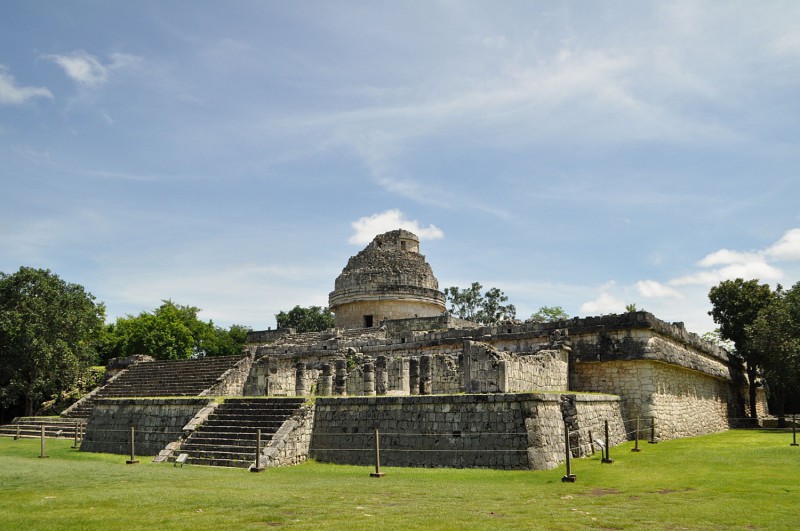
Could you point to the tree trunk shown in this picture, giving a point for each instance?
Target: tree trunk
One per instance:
(28, 407)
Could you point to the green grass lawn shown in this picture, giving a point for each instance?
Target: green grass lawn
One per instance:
(737, 479)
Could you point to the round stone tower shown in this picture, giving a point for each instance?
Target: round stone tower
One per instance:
(389, 279)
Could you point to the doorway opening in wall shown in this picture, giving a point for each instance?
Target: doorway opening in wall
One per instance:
(367, 321)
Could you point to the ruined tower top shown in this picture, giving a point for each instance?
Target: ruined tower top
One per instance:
(389, 279)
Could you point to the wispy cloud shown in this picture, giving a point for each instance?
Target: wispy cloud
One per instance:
(13, 94)
(368, 227)
(87, 70)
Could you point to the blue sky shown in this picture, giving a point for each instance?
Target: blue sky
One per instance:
(232, 156)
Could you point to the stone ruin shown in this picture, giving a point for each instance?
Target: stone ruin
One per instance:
(446, 392)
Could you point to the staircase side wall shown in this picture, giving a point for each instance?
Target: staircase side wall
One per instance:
(157, 422)
(290, 444)
(232, 382)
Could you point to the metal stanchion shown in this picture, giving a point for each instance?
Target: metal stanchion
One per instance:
(607, 459)
(43, 454)
(794, 430)
(132, 460)
(636, 438)
(652, 431)
(569, 477)
(257, 466)
(591, 442)
(377, 473)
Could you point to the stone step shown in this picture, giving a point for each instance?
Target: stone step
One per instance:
(251, 417)
(213, 422)
(233, 432)
(208, 448)
(229, 433)
(228, 463)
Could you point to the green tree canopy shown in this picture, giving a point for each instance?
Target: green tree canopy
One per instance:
(311, 319)
(548, 314)
(735, 306)
(774, 335)
(170, 332)
(47, 331)
(487, 308)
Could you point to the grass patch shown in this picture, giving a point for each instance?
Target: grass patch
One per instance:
(737, 479)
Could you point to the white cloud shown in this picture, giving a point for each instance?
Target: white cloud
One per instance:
(368, 227)
(11, 94)
(603, 304)
(787, 248)
(83, 68)
(88, 70)
(745, 264)
(653, 289)
(726, 257)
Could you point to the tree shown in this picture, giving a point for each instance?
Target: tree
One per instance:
(548, 314)
(774, 335)
(170, 332)
(47, 331)
(311, 319)
(736, 304)
(630, 307)
(469, 304)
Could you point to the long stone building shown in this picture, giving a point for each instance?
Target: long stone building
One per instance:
(442, 391)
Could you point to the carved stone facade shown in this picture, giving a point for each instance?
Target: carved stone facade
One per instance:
(389, 279)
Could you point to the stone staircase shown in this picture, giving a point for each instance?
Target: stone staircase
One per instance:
(54, 427)
(228, 437)
(157, 379)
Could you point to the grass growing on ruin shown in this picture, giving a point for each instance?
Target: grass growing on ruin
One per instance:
(737, 479)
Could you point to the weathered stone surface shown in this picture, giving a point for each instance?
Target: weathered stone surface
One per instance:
(510, 431)
(157, 422)
(389, 279)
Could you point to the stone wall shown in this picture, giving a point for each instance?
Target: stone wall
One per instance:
(508, 431)
(268, 336)
(352, 315)
(684, 402)
(290, 444)
(488, 370)
(232, 381)
(157, 422)
(443, 321)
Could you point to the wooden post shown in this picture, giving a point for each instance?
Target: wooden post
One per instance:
(607, 459)
(132, 460)
(377, 473)
(652, 431)
(16, 437)
(75, 443)
(794, 430)
(636, 444)
(43, 454)
(257, 466)
(569, 477)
